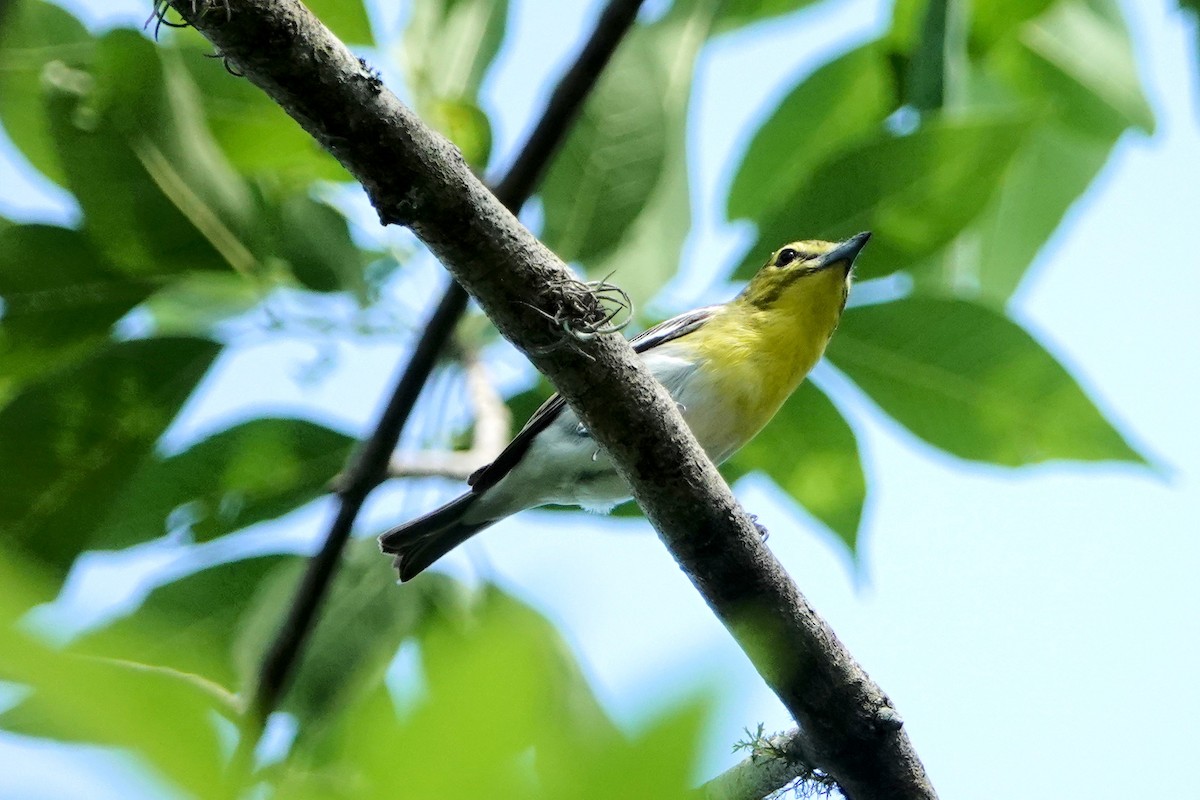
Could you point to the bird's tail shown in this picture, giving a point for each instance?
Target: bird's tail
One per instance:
(422, 541)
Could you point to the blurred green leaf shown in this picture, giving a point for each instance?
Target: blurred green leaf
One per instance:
(840, 104)
(60, 300)
(314, 239)
(251, 472)
(157, 195)
(916, 192)
(346, 18)
(812, 453)
(162, 717)
(361, 626)
(194, 304)
(646, 254)
(1083, 60)
(190, 623)
(925, 73)
(1025, 212)
(256, 134)
(80, 433)
(972, 382)
(446, 51)
(994, 22)
(612, 160)
(465, 124)
(449, 45)
(737, 13)
(34, 34)
(1084, 109)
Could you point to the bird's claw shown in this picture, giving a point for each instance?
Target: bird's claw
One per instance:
(763, 533)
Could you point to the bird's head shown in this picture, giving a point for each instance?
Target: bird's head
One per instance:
(807, 277)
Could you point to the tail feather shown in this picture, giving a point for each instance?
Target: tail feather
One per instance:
(422, 541)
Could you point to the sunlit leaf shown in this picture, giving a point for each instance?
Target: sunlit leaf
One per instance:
(1084, 58)
(811, 452)
(840, 104)
(346, 18)
(646, 254)
(613, 159)
(1082, 110)
(449, 45)
(970, 381)
(915, 192)
(447, 49)
(1025, 212)
(251, 472)
(80, 434)
(255, 134)
(34, 34)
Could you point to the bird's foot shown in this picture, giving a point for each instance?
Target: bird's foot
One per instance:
(763, 533)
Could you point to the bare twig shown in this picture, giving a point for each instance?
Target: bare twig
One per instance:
(415, 178)
(493, 425)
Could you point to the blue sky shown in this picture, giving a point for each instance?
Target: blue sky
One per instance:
(1037, 629)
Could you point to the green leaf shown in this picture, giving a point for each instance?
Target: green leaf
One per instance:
(1076, 61)
(995, 22)
(196, 303)
(164, 717)
(925, 75)
(314, 239)
(34, 34)
(810, 451)
(255, 471)
(449, 45)
(60, 300)
(915, 192)
(1082, 114)
(190, 623)
(80, 433)
(970, 381)
(1026, 210)
(840, 104)
(346, 18)
(738, 13)
(362, 624)
(157, 196)
(257, 136)
(646, 253)
(613, 159)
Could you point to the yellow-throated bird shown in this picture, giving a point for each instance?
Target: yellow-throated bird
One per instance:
(729, 367)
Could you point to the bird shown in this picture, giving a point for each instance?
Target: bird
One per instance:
(728, 367)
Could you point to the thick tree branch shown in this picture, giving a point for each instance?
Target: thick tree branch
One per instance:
(415, 178)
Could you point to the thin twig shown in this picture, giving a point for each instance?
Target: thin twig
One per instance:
(493, 426)
(370, 465)
(775, 762)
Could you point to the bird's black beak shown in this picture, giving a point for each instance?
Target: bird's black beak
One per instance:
(845, 253)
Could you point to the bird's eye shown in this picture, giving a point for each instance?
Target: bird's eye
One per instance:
(786, 256)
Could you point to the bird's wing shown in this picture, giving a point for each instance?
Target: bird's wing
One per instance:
(489, 475)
